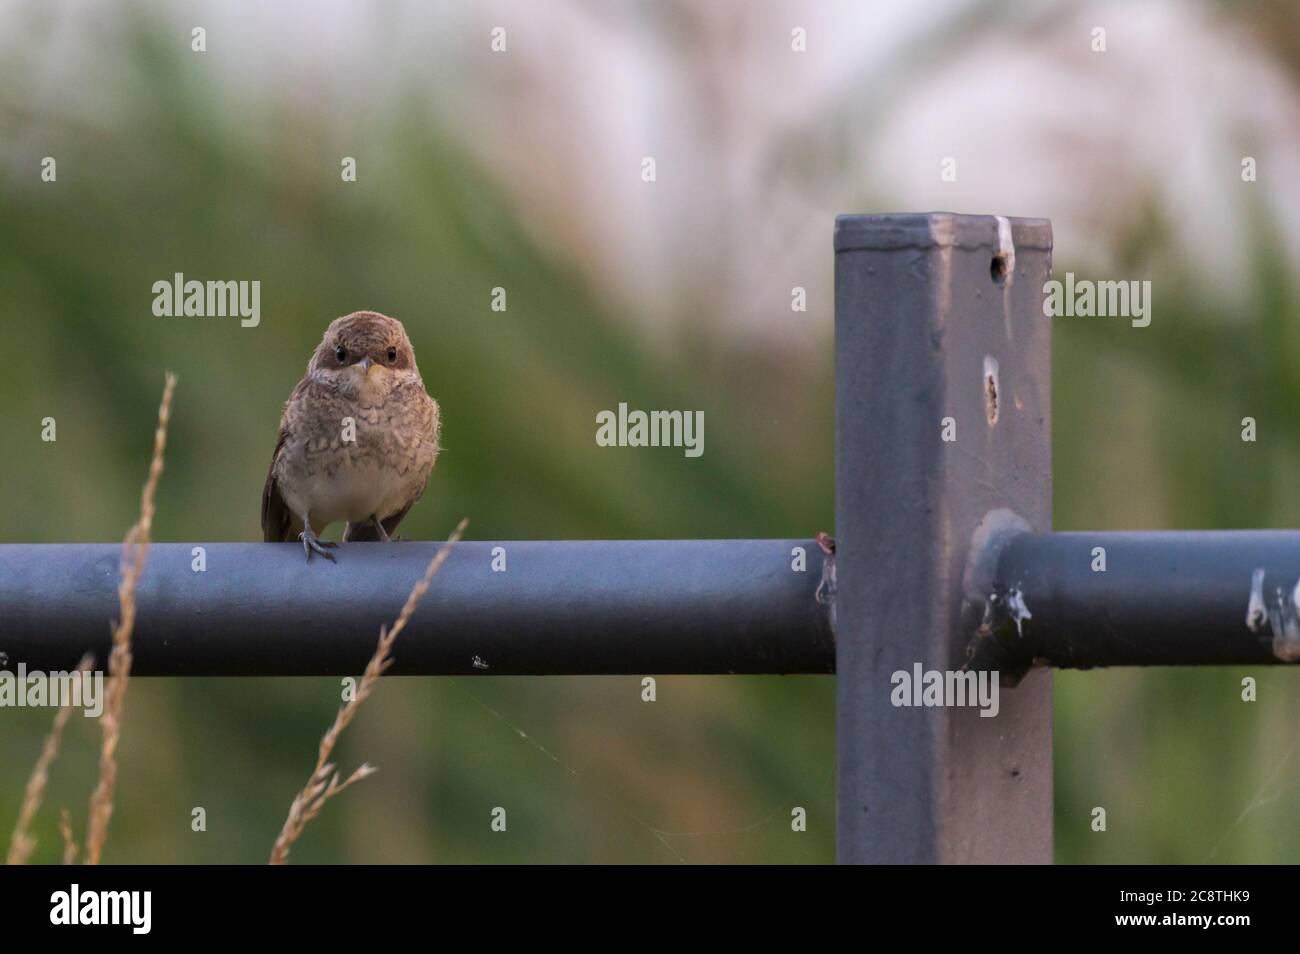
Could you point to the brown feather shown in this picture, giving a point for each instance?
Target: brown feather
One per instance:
(278, 524)
(276, 519)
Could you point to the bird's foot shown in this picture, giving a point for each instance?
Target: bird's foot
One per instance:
(379, 529)
(314, 544)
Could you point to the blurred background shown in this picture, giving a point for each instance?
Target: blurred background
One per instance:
(522, 169)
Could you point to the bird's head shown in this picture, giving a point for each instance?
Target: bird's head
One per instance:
(365, 355)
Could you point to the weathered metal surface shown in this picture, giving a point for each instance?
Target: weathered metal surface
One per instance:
(938, 324)
(1182, 598)
(549, 607)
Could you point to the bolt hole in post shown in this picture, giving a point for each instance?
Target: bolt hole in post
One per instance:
(998, 269)
(991, 389)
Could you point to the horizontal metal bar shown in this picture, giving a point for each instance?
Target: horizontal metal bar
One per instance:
(1078, 600)
(548, 607)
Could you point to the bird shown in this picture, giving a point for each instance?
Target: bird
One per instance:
(358, 438)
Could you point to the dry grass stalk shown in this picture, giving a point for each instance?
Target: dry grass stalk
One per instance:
(69, 843)
(23, 843)
(134, 550)
(324, 783)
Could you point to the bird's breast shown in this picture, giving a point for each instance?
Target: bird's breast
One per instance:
(351, 462)
(358, 488)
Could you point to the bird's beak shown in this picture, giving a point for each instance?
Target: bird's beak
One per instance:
(365, 364)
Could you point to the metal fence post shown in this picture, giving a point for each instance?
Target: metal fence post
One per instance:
(942, 415)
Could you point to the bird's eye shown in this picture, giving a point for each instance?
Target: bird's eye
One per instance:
(341, 353)
(392, 354)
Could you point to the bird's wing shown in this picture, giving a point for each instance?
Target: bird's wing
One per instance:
(278, 523)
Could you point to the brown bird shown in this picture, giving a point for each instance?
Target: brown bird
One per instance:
(358, 438)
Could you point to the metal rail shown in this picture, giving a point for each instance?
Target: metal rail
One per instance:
(1185, 598)
(550, 607)
(1064, 600)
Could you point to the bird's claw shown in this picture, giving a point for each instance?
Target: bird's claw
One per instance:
(314, 544)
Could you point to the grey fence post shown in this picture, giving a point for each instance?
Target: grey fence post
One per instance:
(939, 334)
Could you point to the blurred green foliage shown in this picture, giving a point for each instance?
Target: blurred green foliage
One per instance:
(180, 182)
(183, 179)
